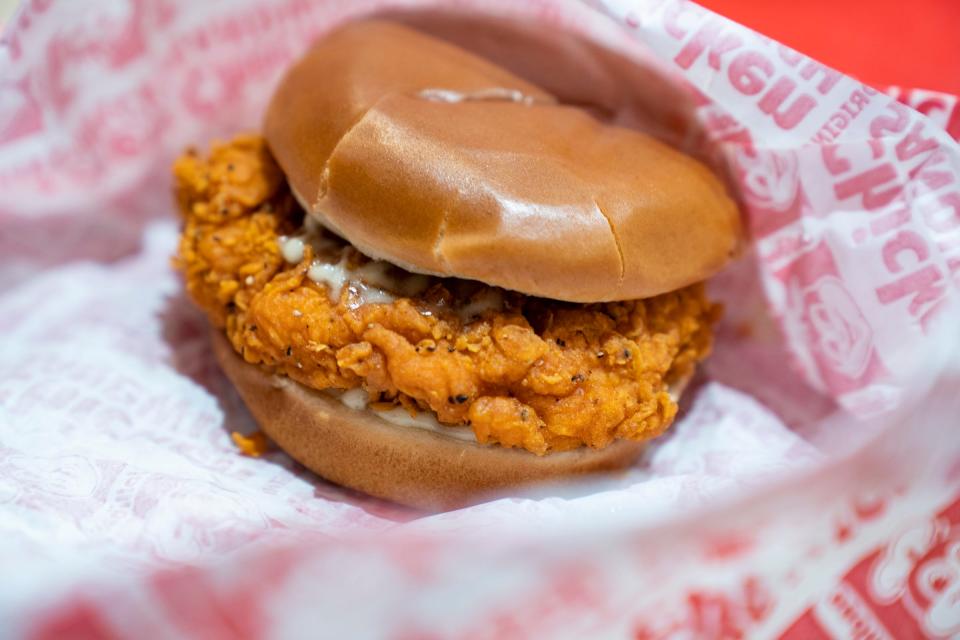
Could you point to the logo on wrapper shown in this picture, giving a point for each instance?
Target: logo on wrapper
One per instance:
(843, 334)
(909, 588)
(829, 319)
(771, 188)
(922, 569)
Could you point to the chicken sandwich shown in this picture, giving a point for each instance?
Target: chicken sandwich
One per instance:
(430, 280)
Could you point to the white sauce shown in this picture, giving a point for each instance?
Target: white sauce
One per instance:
(423, 420)
(374, 282)
(332, 275)
(371, 283)
(361, 294)
(291, 249)
(357, 400)
(362, 282)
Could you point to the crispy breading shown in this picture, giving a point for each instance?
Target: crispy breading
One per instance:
(537, 374)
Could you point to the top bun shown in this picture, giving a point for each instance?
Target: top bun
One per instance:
(434, 159)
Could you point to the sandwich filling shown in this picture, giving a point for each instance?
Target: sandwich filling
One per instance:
(520, 371)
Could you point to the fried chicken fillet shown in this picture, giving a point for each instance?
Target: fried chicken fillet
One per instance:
(522, 371)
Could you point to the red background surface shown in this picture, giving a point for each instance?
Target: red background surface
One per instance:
(910, 43)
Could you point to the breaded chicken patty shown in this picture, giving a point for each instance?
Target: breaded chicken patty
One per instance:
(521, 371)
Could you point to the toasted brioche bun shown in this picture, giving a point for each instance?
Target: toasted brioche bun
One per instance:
(427, 156)
(412, 466)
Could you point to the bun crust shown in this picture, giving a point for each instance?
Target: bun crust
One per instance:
(427, 156)
(408, 465)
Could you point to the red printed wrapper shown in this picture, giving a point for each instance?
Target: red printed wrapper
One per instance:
(811, 489)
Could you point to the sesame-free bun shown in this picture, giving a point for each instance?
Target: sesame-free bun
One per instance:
(409, 465)
(441, 162)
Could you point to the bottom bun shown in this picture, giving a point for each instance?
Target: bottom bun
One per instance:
(409, 465)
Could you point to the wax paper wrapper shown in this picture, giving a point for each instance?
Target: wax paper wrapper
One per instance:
(811, 488)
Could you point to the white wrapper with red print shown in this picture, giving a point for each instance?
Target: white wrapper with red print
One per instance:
(810, 490)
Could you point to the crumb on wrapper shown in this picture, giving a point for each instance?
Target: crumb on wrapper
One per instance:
(254, 445)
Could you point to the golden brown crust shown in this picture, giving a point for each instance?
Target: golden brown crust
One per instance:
(408, 465)
(527, 372)
(525, 194)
